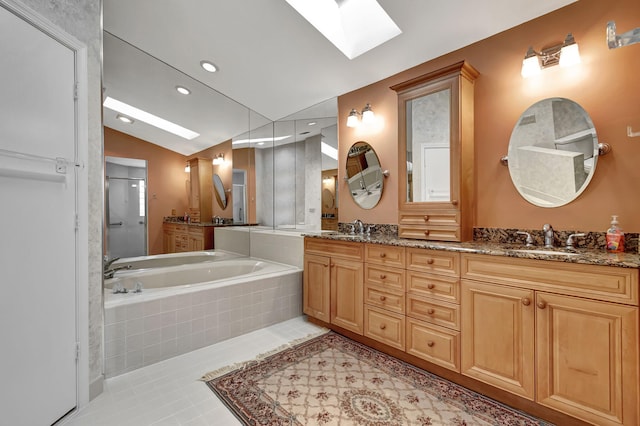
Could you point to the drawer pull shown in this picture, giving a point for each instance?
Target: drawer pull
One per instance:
(383, 298)
(383, 276)
(430, 343)
(526, 301)
(431, 286)
(542, 304)
(426, 233)
(430, 261)
(431, 311)
(426, 218)
(382, 326)
(383, 254)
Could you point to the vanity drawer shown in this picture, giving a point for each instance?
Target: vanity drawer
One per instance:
(385, 327)
(181, 228)
(436, 261)
(343, 249)
(393, 301)
(606, 283)
(435, 344)
(434, 286)
(384, 255)
(390, 278)
(444, 217)
(433, 311)
(436, 233)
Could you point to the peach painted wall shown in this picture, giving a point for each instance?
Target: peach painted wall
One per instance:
(166, 179)
(225, 171)
(605, 84)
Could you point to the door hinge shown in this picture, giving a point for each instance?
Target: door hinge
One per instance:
(75, 91)
(77, 351)
(77, 222)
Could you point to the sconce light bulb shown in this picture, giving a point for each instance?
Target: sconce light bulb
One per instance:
(352, 119)
(368, 116)
(569, 54)
(530, 64)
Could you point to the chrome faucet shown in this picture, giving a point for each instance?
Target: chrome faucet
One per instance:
(110, 272)
(106, 263)
(570, 240)
(360, 226)
(548, 235)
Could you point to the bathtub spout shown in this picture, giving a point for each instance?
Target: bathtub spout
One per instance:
(109, 273)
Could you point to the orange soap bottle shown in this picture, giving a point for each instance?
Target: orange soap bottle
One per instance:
(615, 237)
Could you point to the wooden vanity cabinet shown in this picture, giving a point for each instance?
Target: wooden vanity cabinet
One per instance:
(333, 278)
(537, 329)
(424, 211)
(201, 189)
(179, 238)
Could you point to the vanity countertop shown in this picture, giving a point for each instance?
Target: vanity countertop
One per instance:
(559, 254)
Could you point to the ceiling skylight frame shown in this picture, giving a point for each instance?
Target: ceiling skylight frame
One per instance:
(353, 26)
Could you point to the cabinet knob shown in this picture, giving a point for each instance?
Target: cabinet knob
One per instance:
(383, 276)
(454, 202)
(431, 311)
(382, 326)
(426, 218)
(383, 298)
(526, 301)
(426, 233)
(542, 304)
(383, 254)
(430, 261)
(431, 286)
(430, 343)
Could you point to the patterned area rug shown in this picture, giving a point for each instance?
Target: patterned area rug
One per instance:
(332, 380)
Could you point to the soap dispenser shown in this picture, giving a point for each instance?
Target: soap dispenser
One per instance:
(615, 237)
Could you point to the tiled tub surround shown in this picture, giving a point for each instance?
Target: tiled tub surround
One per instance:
(141, 329)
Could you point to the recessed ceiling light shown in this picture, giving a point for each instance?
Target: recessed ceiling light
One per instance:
(124, 119)
(151, 119)
(208, 66)
(183, 90)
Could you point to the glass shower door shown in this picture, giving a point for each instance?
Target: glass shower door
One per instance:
(126, 217)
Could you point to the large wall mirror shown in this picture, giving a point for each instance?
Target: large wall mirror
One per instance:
(364, 175)
(553, 152)
(221, 193)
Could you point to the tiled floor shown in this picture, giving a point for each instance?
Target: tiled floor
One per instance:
(169, 392)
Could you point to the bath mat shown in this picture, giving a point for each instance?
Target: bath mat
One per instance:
(332, 380)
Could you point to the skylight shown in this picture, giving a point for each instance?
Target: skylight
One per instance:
(151, 119)
(328, 150)
(353, 26)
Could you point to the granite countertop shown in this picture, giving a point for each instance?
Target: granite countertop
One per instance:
(180, 221)
(584, 256)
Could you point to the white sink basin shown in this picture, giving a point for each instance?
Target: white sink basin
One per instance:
(548, 252)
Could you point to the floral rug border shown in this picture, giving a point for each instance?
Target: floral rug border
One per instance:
(253, 406)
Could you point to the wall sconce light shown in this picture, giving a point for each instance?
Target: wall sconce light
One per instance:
(367, 114)
(218, 159)
(565, 55)
(187, 168)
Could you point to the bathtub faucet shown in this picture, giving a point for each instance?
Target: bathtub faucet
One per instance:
(106, 263)
(110, 272)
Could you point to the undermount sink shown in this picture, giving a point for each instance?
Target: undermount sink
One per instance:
(547, 252)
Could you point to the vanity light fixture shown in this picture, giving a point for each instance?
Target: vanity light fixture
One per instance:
(208, 66)
(125, 119)
(566, 54)
(368, 117)
(183, 90)
(218, 159)
(187, 168)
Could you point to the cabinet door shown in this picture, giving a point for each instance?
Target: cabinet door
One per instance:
(196, 242)
(498, 336)
(169, 240)
(587, 358)
(347, 294)
(316, 287)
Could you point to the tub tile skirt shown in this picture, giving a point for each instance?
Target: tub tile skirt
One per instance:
(332, 380)
(143, 333)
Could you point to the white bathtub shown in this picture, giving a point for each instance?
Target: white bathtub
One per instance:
(186, 307)
(172, 259)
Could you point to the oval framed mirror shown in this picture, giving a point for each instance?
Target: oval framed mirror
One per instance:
(221, 194)
(364, 175)
(553, 152)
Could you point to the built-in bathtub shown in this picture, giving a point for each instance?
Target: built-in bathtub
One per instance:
(185, 307)
(173, 259)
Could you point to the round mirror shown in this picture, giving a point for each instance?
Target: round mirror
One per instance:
(221, 194)
(552, 152)
(364, 175)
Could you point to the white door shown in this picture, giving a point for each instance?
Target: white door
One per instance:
(38, 329)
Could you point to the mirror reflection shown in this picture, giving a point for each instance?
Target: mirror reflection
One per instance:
(221, 193)
(428, 147)
(553, 152)
(364, 175)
